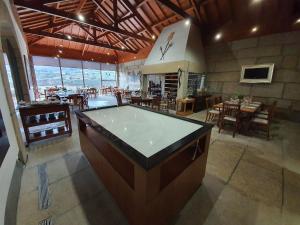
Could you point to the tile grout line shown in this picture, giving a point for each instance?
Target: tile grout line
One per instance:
(234, 169)
(283, 189)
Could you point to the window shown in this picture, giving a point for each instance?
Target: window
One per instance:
(47, 73)
(92, 74)
(71, 71)
(10, 80)
(108, 73)
(72, 74)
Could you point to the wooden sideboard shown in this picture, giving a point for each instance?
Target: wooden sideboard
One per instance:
(39, 120)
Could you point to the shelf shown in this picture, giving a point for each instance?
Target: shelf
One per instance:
(42, 137)
(40, 123)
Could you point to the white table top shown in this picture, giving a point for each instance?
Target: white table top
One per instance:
(145, 131)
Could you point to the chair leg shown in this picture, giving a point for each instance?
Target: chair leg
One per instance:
(221, 125)
(206, 118)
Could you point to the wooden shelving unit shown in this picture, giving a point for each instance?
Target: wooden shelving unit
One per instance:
(35, 111)
(171, 84)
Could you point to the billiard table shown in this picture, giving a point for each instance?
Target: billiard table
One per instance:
(150, 162)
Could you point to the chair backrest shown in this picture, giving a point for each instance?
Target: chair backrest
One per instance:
(231, 109)
(218, 99)
(136, 100)
(156, 100)
(75, 98)
(119, 98)
(209, 103)
(271, 110)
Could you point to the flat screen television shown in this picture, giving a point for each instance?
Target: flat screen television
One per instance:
(257, 73)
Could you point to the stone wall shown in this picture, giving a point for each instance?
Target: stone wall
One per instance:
(224, 62)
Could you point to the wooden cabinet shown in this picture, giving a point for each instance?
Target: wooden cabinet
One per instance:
(45, 121)
(171, 84)
(200, 103)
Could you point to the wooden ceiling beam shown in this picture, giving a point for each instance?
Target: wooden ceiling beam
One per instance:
(34, 5)
(138, 16)
(196, 10)
(76, 39)
(126, 18)
(115, 12)
(86, 31)
(51, 1)
(178, 11)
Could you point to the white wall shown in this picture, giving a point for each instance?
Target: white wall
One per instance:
(7, 167)
(8, 22)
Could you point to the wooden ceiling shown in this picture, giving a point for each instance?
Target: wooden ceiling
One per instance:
(122, 30)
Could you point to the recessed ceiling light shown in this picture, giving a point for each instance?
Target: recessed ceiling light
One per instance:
(57, 56)
(187, 22)
(122, 47)
(69, 37)
(153, 37)
(92, 59)
(298, 20)
(108, 53)
(60, 45)
(60, 51)
(254, 29)
(256, 1)
(134, 57)
(218, 36)
(80, 17)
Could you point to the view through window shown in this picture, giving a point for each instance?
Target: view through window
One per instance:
(72, 74)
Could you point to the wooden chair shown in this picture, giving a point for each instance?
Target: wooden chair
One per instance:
(156, 103)
(264, 124)
(218, 99)
(92, 92)
(265, 112)
(76, 100)
(136, 100)
(210, 112)
(86, 100)
(230, 114)
(119, 98)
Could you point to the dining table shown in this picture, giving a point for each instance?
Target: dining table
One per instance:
(64, 96)
(248, 110)
(246, 107)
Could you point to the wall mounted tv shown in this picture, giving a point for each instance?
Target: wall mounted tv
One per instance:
(257, 73)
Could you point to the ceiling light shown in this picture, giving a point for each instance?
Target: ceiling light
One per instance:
(80, 17)
(153, 37)
(60, 51)
(69, 37)
(187, 22)
(218, 36)
(256, 1)
(60, 45)
(122, 47)
(254, 29)
(107, 63)
(57, 56)
(92, 59)
(134, 57)
(298, 20)
(108, 53)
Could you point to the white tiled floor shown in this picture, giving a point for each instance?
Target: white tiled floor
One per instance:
(248, 181)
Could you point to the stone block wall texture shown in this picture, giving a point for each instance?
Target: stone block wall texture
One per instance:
(224, 61)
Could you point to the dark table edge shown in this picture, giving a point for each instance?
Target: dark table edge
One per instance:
(144, 162)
